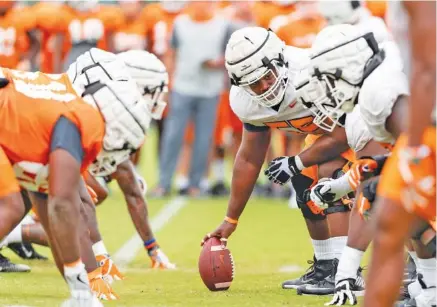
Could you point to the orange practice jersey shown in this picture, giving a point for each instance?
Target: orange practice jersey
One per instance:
(83, 24)
(14, 41)
(130, 35)
(30, 106)
(265, 11)
(301, 32)
(51, 19)
(159, 25)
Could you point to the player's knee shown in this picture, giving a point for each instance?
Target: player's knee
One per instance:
(309, 212)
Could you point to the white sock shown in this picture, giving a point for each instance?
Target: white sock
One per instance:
(77, 280)
(99, 248)
(413, 256)
(323, 249)
(15, 236)
(338, 244)
(428, 270)
(218, 169)
(28, 219)
(349, 263)
(182, 182)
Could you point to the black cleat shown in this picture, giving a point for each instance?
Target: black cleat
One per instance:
(26, 251)
(306, 278)
(324, 279)
(6, 266)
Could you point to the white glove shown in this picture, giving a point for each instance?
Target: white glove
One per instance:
(343, 293)
(329, 190)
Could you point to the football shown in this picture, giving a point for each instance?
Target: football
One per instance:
(216, 265)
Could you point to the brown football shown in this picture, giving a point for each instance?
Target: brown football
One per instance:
(216, 265)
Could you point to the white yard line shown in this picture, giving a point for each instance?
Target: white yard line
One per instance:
(129, 250)
(292, 268)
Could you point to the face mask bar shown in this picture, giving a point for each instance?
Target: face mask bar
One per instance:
(155, 103)
(106, 162)
(274, 73)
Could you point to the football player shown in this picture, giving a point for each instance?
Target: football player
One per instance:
(67, 132)
(408, 191)
(151, 77)
(262, 70)
(334, 89)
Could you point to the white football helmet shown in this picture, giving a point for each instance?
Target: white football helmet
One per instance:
(255, 62)
(151, 77)
(96, 65)
(103, 80)
(126, 121)
(337, 12)
(341, 59)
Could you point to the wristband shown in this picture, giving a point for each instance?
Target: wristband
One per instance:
(231, 221)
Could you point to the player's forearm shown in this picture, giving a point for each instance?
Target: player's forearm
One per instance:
(324, 149)
(422, 27)
(422, 102)
(139, 214)
(244, 178)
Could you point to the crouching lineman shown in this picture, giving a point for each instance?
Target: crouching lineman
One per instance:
(151, 77)
(262, 70)
(65, 133)
(370, 86)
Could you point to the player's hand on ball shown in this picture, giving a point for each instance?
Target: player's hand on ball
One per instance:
(222, 232)
(281, 169)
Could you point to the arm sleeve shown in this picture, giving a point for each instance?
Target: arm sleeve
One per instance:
(253, 128)
(66, 135)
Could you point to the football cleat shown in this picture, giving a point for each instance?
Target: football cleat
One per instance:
(160, 260)
(306, 278)
(6, 266)
(26, 251)
(100, 288)
(426, 297)
(91, 301)
(324, 279)
(110, 271)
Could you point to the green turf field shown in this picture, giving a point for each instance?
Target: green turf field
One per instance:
(270, 238)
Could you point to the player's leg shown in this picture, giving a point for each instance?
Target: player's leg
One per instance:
(328, 238)
(175, 125)
(387, 262)
(217, 165)
(204, 122)
(39, 202)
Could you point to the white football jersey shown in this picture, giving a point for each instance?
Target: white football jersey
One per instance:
(378, 94)
(291, 115)
(357, 133)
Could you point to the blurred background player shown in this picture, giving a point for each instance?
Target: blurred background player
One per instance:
(18, 42)
(90, 25)
(197, 83)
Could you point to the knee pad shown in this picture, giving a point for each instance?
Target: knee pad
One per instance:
(302, 185)
(309, 210)
(427, 236)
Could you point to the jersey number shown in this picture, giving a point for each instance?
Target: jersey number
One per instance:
(304, 124)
